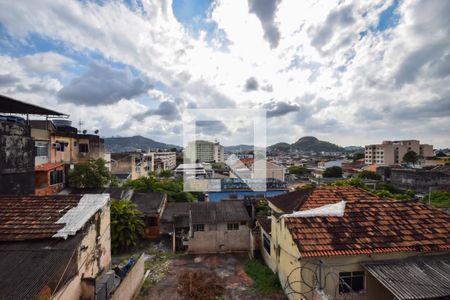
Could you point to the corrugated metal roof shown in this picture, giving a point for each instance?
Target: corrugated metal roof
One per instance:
(9, 105)
(414, 278)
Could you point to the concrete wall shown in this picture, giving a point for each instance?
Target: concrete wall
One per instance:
(132, 283)
(94, 256)
(419, 180)
(219, 239)
(16, 159)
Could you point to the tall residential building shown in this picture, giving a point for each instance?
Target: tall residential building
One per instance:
(165, 160)
(392, 152)
(204, 151)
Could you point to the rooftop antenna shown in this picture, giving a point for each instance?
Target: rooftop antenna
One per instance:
(80, 123)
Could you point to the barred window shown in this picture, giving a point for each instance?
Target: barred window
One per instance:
(351, 282)
(56, 177)
(233, 226)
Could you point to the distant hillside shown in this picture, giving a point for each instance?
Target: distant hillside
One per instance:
(307, 144)
(354, 148)
(132, 143)
(238, 148)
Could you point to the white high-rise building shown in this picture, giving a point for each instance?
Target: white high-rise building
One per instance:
(204, 151)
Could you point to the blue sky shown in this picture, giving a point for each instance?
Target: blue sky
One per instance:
(335, 70)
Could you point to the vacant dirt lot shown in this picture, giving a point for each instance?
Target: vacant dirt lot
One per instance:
(229, 268)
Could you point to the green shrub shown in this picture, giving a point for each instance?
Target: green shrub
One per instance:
(264, 280)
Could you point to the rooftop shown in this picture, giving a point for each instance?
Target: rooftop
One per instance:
(47, 167)
(369, 224)
(207, 212)
(414, 278)
(13, 106)
(150, 203)
(41, 217)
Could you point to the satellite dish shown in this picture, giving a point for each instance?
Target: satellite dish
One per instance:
(96, 131)
(84, 131)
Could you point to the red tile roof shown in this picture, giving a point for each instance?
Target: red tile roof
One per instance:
(369, 225)
(33, 217)
(48, 166)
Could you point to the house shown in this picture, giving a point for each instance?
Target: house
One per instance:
(17, 175)
(421, 180)
(54, 246)
(70, 147)
(49, 178)
(249, 168)
(344, 242)
(132, 164)
(152, 205)
(208, 227)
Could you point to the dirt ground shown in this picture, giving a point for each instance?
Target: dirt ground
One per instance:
(228, 267)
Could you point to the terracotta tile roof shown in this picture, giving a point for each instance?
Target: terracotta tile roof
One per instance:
(47, 166)
(319, 196)
(369, 225)
(33, 217)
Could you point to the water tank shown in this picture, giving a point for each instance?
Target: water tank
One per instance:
(62, 123)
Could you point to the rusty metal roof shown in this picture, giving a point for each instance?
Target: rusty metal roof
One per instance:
(414, 278)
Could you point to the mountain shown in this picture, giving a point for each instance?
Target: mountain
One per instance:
(132, 143)
(307, 144)
(238, 148)
(283, 147)
(312, 144)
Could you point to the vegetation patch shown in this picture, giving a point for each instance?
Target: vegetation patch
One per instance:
(264, 280)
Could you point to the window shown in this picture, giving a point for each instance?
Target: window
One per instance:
(83, 148)
(41, 148)
(199, 227)
(60, 146)
(56, 177)
(351, 282)
(233, 226)
(266, 243)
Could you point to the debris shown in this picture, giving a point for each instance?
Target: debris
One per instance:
(200, 285)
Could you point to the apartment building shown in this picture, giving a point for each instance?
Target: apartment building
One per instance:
(392, 152)
(131, 165)
(165, 160)
(204, 151)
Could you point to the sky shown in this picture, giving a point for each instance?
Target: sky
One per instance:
(349, 72)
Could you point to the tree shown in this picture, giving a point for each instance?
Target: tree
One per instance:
(165, 173)
(439, 199)
(369, 175)
(297, 170)
(172, 186)
(127, 225)
(358, 156)
(334, 172)
(91, 174)
(410, 157)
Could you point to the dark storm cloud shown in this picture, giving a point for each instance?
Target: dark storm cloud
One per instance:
(167, 110)
(251, 84)
(211, 127)
(276, 109)
(102, 84)
(265, 11)
(8, 79)
(339, 18)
